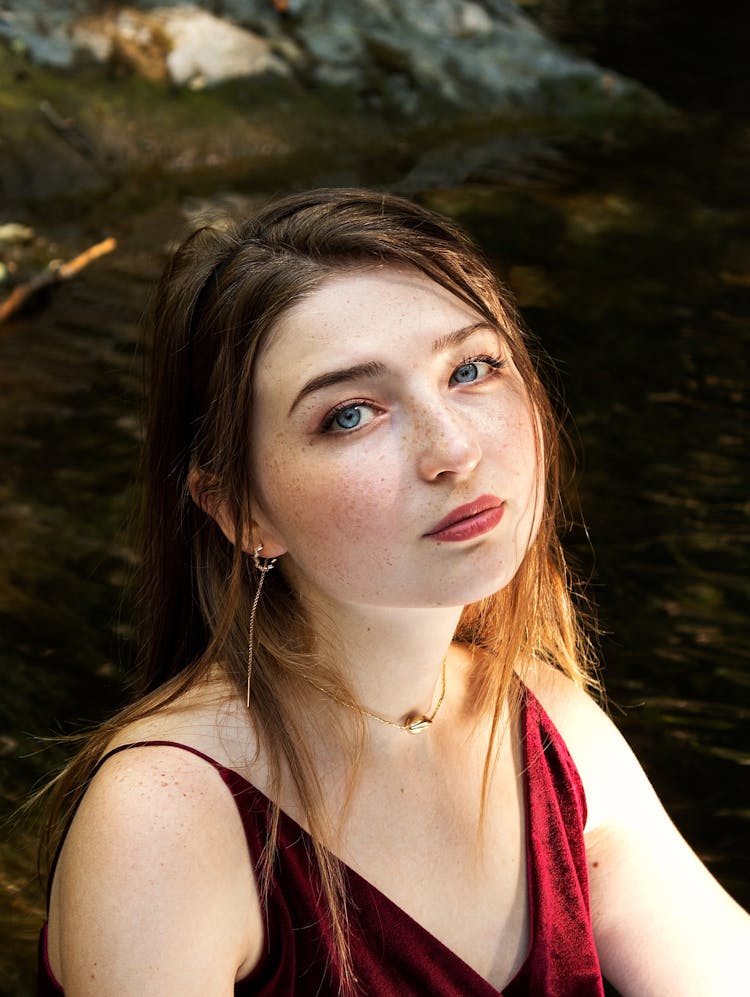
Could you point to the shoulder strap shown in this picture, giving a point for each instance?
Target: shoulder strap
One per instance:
(155, 744)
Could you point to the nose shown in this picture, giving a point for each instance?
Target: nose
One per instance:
(446, 445)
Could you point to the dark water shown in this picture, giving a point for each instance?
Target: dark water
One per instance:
(631, 261)
(694, 55)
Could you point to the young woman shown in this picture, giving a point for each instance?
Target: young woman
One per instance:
(363, 759)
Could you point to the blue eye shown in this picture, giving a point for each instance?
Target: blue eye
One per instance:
(466, 373)
(476, 369)
(347, 418)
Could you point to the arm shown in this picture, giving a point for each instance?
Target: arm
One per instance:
(154, 893)
(663, 926)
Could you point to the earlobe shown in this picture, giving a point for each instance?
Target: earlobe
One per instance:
(207, 496)
(263, 547)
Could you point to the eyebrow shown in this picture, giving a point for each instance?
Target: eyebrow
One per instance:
(375, 368)
(459, 336)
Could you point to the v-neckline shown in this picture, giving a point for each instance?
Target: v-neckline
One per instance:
(352, 874)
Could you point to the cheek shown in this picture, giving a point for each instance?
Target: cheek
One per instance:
(530, 452)
(319, 499)
(514, 435)
(521, 458)
(532, 473)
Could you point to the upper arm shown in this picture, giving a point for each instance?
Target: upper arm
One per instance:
(154, 892)
(663, 926)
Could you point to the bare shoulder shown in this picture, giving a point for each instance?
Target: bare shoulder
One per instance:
(594, 742)
(154, 891)
(663, 926)
(152, 783)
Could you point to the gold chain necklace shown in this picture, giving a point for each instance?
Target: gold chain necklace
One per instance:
(412, 724)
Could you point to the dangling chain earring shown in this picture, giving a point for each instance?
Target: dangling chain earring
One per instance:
(263, 565)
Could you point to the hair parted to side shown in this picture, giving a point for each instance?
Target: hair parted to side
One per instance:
(222, 292)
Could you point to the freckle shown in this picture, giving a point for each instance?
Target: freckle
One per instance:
(595, 865)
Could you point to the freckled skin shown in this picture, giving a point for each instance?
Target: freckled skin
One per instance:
(350, 508)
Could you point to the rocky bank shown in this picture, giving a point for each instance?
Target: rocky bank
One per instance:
(476, 55)
(92, 91)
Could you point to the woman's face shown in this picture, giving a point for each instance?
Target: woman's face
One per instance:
(395, 449)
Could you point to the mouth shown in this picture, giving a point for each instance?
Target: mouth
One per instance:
(469, 521)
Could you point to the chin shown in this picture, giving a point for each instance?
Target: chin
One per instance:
(473, 591)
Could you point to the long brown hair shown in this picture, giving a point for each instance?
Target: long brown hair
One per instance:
(223, 290)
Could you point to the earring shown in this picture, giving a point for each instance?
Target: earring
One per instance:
(263, 565)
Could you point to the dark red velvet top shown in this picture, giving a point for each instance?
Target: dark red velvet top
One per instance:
(393, 955)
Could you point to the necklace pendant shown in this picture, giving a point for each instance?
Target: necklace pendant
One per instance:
(415, 724)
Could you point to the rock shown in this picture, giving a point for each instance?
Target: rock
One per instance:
(95, 37)
(54, 49)
(12, 233)
(484, 56)
(474, 20)
(130, 38)
(184, 44)
(204, 50)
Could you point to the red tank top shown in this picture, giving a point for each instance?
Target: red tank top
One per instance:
(393, 955)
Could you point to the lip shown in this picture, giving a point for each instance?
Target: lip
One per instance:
(469, 521)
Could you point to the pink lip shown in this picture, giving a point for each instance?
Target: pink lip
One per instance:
(469, 521)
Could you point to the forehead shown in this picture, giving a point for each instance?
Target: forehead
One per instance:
(361, 315)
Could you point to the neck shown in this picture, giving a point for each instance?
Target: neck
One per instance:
(392, 659)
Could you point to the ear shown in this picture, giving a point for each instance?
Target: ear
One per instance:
(207, 497)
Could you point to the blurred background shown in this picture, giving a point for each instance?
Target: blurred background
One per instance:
(598, 151)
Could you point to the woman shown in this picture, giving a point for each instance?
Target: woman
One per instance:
(363, 758)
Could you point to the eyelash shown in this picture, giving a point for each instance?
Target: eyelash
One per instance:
(496, 364)
(352, 403)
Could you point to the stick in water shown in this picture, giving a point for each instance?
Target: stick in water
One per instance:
(53, 275)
